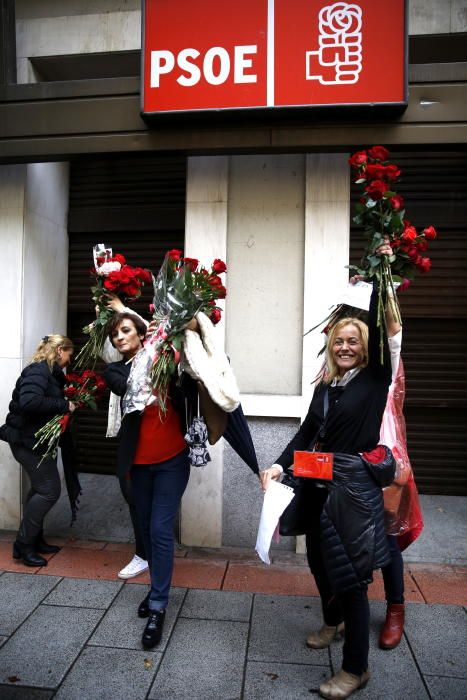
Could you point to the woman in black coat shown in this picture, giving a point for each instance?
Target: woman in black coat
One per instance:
(37, 397)
(345, 532)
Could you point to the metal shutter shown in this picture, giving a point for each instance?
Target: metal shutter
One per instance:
(137, 206)
(434, 185)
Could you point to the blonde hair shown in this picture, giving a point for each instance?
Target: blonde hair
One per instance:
(332, 368)
(48, 348)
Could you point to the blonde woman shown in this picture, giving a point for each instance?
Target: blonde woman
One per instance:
(37, 397)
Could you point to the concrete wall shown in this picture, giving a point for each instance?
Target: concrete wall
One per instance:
(54, 27)
(33, 287)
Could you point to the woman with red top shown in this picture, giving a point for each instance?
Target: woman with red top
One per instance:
(153, 454)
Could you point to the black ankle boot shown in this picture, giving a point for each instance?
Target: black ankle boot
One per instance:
(28, 554)
(143, 608)
(153, 630)
(44, 547)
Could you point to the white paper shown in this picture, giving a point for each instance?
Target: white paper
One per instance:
(276, 500)
(357, 295)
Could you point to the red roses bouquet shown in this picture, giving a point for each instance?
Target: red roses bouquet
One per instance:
(84, 390)
(182, 288)
(381, 213)
(111, 274)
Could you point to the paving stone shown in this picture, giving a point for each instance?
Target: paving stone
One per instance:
(20, 594)
(198, 573)
(279, 628)
(11, 692)
(204, 659)
(270, 680)
(87, 563)
(443, 688)
(259, 578)
(122, 628)
(441, 583)
(101, 673)
(83, 593)
(41, 652)
(394, 674)
(437, 634)
(217, 605)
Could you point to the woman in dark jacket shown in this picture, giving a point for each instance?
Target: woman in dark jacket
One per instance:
(37, 397)
(153, 454)
(345, 533)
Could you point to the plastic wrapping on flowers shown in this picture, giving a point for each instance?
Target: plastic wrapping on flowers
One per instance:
(182, 288)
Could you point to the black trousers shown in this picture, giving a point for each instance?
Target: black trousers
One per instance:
(43, 494)
(127, 493)
(393, 573)
(350, 607)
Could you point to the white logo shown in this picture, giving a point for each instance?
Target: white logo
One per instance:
(340, 46)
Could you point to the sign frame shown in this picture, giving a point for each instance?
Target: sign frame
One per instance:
(335, 110)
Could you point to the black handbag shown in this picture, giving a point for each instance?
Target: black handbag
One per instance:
(293, 521)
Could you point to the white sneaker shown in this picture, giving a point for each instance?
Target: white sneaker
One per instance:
(134, 568)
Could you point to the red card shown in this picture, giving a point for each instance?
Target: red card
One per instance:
(314, 465)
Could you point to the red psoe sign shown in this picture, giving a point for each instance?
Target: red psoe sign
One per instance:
(204, 55)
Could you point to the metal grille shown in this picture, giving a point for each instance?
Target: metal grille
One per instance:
(434, 308)
(136, 206)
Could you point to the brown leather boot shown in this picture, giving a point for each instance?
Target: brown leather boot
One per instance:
(342, 685)
(323, 637)
(391, 631)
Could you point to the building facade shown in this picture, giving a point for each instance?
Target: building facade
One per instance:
(79, 166)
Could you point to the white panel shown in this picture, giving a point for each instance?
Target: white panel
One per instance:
(265, 257)
(205, 239)
(10, 474)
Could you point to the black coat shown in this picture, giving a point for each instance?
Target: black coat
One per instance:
(37, 397)
(353, 537)
(184, 397)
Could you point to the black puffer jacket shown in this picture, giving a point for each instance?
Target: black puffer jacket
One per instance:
(37, 397)
(353, 538)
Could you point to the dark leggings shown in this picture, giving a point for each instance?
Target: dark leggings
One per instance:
(351, 607)
(393, 573)
(125, 487)
(43, 494)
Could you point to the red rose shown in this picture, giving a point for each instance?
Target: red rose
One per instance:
(430, 233)
(215, 316)
(397, 202)
(378, 153)
(110, 284)
(192, 263)
(221, 292)
(391, 172)
(119, 258)
(132, 290)
(376, 189)
(422, 245)
(219, 266)
(413, 254)
(357, 159)
(410, 233)
(405, 284)
(395, 243)
(151, 308)
(424, 264)
(70, 392)
(175, 254)
(215, 281)
(375, 171)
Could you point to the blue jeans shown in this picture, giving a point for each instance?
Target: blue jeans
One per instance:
(393, 573)
(157, 492)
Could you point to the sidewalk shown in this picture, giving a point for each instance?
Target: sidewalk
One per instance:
(235, 630)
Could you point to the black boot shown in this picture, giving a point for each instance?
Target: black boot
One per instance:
(44, 547)
(28, 554)
(143, 608)
(153, 630)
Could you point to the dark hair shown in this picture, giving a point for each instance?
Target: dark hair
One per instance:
(117, 319)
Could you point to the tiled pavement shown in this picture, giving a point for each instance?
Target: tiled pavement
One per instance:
(235, 629)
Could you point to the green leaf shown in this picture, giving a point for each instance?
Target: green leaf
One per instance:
(374, 260)
(370, 204)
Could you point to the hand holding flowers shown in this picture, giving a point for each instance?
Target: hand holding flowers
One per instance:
(112, 277)
(83, 390)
